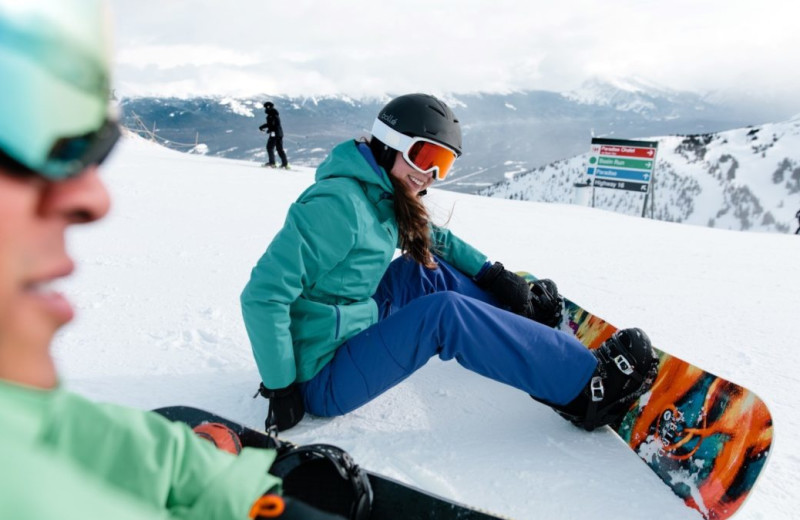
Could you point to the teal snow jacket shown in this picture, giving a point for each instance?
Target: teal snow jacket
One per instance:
(311, 290)
(64, 457)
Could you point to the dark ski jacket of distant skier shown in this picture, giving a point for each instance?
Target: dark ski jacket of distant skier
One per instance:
(797, 216)
(273, 123)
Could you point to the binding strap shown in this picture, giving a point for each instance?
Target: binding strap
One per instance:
(325, 477)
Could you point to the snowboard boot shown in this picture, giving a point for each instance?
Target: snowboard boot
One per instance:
(627, 365)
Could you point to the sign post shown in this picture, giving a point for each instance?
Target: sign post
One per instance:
(622, 165)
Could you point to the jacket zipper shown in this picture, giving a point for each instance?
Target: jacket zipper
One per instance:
(338, 320)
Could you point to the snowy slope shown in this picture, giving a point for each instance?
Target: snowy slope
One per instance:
(158, 323)
(742, 179)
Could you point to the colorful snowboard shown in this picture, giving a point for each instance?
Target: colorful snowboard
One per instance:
(392, 500)
(705, 437)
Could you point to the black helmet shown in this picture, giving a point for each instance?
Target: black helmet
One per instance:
(268, 104)
(422, 115)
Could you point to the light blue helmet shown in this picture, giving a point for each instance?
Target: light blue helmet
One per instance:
(55, 69)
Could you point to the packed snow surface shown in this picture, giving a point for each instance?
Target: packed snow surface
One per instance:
(157, 295)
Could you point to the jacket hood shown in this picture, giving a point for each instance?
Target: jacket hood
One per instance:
(354, 160)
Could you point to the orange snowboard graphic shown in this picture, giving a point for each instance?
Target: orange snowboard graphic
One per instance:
(705, 437)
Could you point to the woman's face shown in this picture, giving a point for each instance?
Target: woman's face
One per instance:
(34, 216)
(413, 180)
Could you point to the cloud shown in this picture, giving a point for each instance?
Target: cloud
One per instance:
(165, 57)
(307, 47)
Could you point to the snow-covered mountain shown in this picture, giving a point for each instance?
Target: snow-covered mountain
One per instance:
(503, 133)
(635, 95)
(742, 179)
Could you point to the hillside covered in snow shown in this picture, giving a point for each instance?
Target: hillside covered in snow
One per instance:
(744, 179)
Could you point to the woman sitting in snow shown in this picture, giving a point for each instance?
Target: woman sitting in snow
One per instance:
(334, 321)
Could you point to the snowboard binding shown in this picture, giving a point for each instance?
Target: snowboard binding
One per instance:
(627, 366)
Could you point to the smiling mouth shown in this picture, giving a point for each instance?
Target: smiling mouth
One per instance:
(41, 287)
(50, 300)
(416, 182)
(45, 282)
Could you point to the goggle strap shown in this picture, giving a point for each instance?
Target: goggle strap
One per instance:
(389, 136)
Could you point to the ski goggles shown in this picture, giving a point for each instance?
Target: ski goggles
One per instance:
(69, 156)
(424, 155)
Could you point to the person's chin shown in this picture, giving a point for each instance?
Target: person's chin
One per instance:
(38, 321)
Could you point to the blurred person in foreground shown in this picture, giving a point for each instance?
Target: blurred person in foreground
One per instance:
(62, 456)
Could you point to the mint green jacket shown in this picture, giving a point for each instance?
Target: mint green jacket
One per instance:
(64, 457)
(311, 290)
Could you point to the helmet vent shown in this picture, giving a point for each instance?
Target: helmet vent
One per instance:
(437, 109)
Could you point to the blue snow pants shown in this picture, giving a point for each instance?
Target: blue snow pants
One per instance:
(423, 313)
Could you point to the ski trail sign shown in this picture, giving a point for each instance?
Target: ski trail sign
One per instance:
(621, 164)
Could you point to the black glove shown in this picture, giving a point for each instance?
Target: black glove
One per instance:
(509, 288)
(537, 300)
(286, 508)
(286, 406)
(545, 303)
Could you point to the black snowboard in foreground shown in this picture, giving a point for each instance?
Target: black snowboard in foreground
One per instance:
(392, 500)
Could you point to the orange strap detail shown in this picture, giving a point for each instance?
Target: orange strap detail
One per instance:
(267, 506)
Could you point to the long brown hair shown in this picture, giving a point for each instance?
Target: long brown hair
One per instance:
(413, 223)
(411, 214)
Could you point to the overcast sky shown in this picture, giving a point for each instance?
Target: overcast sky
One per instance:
(307, 47)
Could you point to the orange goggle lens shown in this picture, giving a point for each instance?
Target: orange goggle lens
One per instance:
(426, 156)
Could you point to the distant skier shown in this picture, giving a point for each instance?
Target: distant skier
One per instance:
(334, 321)
(275, 136)
(797, 216)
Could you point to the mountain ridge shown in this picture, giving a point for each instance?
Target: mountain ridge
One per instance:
(745, 179)
(516, 134)
(525, 129)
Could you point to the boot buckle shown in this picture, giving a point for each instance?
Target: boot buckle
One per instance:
(623, 365)
(596, 389)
